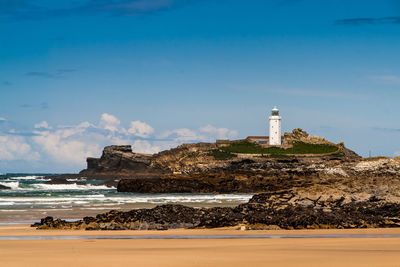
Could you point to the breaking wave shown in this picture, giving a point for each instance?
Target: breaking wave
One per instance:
(12, 185)
(110, 200)
(31, 193)
(70, 187)
(29, 177)
(16, 185)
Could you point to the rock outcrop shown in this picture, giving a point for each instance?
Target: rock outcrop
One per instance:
(278, 210)
(120, 160)
(3, 187)
(194, 168)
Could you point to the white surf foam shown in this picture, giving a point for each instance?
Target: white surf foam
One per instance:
(71, 187)
(207, 198)
(76, 179)
(6, 203)
(100, 208)
(129, 199)
(12, 185)
(53, 200)
(29, 177)
(1, 210)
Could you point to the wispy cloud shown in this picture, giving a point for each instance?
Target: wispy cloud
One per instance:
(392, 130)
(59, 74)
(43, 105)
(63, 71)
(391, 79)
(314, 93)
(25, 9)
(297, 91)
(11, 6)
(6, 83)
(363, 21)
(42, 74)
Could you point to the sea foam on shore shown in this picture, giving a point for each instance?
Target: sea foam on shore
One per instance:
(31, 197)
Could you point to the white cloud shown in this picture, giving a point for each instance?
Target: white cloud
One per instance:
(73, 144)
(69, 146)
(42, 125)
(182, 134)
(218, 133)
(61, 148)
(142, 146)
(140, 129)
(109, 122)
(206, 133)
(85, 124)
(16, 148)
(2, 119)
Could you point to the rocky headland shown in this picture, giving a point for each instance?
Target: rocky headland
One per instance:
(309, 182)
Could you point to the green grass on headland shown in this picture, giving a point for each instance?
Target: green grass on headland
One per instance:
(246, 147)
(222, 155)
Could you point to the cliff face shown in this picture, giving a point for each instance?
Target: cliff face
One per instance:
(199, 157)
(196, 168)
(119, 160)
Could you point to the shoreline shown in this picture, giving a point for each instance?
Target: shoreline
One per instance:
(356, 251)
(27, 230)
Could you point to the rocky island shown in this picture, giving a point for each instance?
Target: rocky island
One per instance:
(241, 166)
(308, 182)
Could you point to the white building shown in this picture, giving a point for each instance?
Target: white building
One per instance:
(275, 128)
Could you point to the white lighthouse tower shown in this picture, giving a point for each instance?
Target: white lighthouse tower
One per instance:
(275, 128)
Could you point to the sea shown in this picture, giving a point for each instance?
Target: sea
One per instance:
(31, 197)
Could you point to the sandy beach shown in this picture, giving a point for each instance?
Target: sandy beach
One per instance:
(360, 251)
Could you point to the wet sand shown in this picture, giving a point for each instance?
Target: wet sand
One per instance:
(199, 252)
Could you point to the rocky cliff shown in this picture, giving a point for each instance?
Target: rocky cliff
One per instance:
(211, 157)
(118, 159)
(199, 168)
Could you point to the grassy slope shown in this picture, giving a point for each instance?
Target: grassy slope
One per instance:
(298, 148)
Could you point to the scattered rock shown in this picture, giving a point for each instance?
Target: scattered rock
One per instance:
(263, 211)
(3, 187)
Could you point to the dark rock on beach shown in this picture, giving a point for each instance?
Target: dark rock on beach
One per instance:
(279, 210)
(210, 182)
(3, 187)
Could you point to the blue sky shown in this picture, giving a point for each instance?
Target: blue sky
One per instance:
(78, 75)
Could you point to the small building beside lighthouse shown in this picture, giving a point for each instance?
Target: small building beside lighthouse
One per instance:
(275, 128)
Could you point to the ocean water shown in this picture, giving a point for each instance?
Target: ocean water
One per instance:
(31, 198)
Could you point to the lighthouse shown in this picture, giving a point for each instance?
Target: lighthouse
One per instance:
(275, 128)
